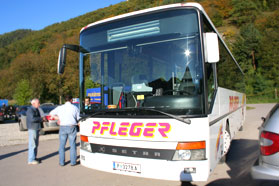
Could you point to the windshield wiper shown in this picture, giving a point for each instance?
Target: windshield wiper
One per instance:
(98, 112)
(186, 120)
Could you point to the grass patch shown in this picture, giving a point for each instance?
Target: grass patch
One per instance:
(254, 100)
(249, 108)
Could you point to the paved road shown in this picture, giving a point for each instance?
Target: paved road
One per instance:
(236, 172)
(10, 134)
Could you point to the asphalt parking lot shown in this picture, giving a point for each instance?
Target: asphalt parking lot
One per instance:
(15, 171)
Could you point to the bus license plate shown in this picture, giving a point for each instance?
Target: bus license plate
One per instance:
(126, 167)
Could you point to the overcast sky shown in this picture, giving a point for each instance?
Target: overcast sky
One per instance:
(37, 14)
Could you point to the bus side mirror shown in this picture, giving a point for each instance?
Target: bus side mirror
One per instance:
(61, 60)
(63, 53)
(211, 47)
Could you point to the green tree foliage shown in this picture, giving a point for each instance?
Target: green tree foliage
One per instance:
(269, 47)
(217, 19)
(272, 4)
(246, 47)
(23, 93)
(88, 83)
(9, 38)
(32, 55)
(243, 12)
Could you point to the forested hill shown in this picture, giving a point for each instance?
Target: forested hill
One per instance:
(11, 37)
(28, 59)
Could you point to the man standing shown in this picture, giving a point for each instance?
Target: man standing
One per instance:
(68, 116)
(34, 120)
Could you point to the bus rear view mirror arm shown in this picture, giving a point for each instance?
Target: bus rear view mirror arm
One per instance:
(63, 54)
(211, 47)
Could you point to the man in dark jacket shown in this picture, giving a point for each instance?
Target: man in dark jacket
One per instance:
(34, 120)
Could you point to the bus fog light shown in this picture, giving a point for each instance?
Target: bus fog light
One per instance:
(85, 146)
(189, 170)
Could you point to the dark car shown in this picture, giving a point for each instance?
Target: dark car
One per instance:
(10, 112)
(267, 166)
(1, 116)
(50, 125)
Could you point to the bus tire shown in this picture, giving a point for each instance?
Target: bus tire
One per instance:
(227, 143)
(227, 140)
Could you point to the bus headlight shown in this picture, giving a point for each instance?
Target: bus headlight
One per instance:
(190, 151)
(84, 143)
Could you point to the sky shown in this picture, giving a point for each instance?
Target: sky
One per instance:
(37, 14)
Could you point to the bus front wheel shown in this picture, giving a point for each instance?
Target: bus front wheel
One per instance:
(226, 145)
(227, 141)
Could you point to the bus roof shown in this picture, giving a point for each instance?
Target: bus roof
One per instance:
(196, 5)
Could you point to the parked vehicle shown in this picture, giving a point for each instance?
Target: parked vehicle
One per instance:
(1, 116)
(21, 110)
(47, 104)
(267, 165)
(50, 125)
(10, 112)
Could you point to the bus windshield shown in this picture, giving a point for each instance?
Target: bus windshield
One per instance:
(152, 61)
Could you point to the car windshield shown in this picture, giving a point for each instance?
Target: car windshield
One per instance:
(152, 61)
(23, 108)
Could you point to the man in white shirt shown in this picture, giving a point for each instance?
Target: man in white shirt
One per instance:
(68, 115)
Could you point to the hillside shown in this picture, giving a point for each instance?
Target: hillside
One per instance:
(11, 37)
(28, 58)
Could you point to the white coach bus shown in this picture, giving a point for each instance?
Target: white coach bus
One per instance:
(167, 94)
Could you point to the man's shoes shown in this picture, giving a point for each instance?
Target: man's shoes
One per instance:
(34, 162)
(38, 160)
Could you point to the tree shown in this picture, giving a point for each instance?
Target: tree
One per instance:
(224, 6)
(272, 4)
(268, 49)
(217, 19)
(23, 92)
(243, 12)
(252, 38)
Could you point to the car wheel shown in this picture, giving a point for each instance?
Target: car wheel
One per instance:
(42, 132)
(20, 126)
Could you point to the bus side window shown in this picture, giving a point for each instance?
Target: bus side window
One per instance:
(211, 72)
(210, 84)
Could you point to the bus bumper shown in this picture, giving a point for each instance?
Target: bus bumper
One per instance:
(147, 168)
